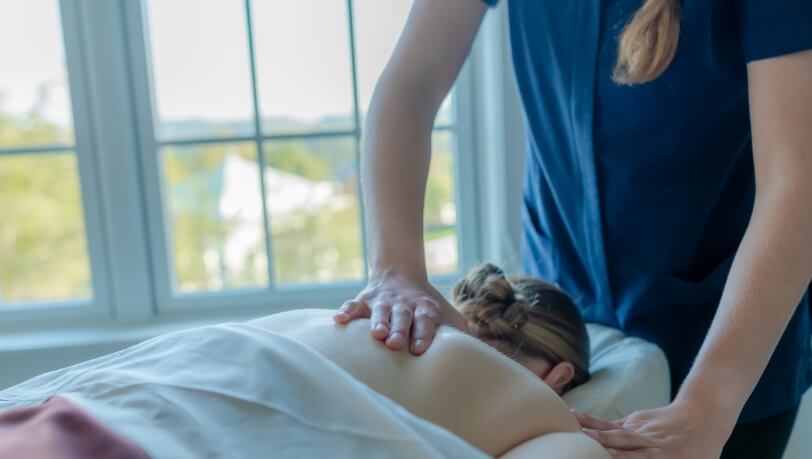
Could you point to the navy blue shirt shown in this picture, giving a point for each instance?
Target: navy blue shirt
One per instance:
(636, 198)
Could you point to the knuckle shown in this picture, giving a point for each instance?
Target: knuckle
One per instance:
(429, 304)
(424, 299)
(367, 295)
(377, 318)
(403, 311)
(400, 327)
(426, 314)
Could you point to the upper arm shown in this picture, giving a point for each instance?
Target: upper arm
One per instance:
(433, 46)
(780, 91)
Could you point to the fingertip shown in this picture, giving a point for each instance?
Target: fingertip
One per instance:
(380, 332)
(419, 346)
(341, 317)
(395, 341)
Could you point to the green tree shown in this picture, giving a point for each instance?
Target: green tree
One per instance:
(43, 250)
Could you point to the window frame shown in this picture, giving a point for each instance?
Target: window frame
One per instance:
(120, 178)
(98, 306)
(272, 297)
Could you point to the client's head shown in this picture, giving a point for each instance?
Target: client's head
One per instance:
(530, 320)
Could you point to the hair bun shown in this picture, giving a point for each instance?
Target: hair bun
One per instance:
(490, 302)
(479, 283)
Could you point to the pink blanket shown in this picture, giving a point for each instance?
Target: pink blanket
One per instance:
(61, 430)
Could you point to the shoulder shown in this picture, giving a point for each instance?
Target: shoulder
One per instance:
(460, 383)
(515, 403)
(294, 318)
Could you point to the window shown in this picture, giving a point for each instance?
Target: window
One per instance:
(258, 160)
(156, 161)
(44, 250)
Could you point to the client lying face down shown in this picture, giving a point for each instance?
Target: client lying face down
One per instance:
(529, 320)
(304, 365)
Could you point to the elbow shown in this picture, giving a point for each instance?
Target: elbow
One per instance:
(783, 168)
(786, 179)
(792, 189)
(783, 206)
(786, 195)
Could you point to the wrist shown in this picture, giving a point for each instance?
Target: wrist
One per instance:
(413, 271)
(710, 402)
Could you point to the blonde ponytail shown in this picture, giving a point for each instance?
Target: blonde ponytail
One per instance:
(649, 42)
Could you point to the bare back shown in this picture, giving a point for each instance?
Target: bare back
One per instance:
(460, 383)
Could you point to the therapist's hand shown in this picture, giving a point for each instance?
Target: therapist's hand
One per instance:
(404, 310)
(676, 431)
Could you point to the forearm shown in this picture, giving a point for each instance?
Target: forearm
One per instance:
(395, 153)
(396, 148)
(770, 272)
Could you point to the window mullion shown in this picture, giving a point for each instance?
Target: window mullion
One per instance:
(158, 229)
(258, 139)
(36, 150)
(357, 122)
(113, 137)
(84, 149)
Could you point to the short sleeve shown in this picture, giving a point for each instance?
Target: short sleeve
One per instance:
(772, 28)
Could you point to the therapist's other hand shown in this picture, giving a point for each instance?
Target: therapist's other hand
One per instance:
(403, 310)
(672, 432)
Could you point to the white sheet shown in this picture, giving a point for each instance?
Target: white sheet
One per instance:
(260, 395)
(628, 374)
(217, 396)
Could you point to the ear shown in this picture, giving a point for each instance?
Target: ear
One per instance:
(559, 376)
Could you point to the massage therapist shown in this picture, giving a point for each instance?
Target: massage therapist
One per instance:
(668, 185)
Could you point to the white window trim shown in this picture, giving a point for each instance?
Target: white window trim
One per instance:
(489, 132)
